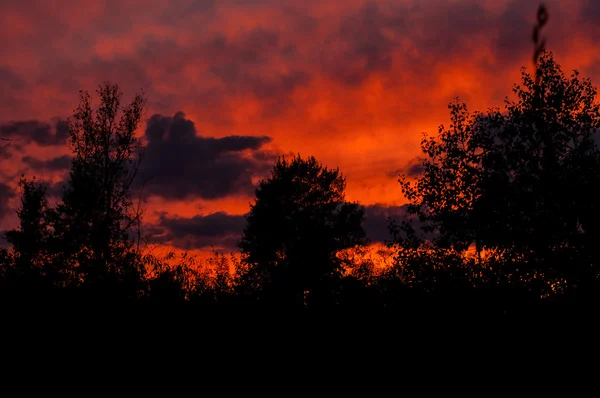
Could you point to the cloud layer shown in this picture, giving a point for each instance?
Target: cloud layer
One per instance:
(41, 133)
(180, 164)
(353, 83)
(222, 231)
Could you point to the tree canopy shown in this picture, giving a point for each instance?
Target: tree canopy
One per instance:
(517, 182)
(296, 226)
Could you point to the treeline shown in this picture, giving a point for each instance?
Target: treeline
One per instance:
(503, 218)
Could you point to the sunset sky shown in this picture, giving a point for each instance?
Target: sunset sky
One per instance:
(232, 84)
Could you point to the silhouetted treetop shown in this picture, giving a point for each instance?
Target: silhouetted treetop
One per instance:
(94, 221)
(520, 180)
(298, 223)
(31, 239)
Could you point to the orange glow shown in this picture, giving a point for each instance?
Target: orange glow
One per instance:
(353, 83)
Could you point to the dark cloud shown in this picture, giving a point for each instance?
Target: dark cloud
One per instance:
(151, 47)
(254, 47)
(415, 169)
(514, 36)
(412, 169)
(240, 65)
(62, 73)
(178, 10)
(377, 221)
(56, 164)
(9, 80)
(224, 230)
(118, 14)
(55, 190)
(179, 164)
(219, 230)
(4, 244)
(413, 37)
(6, 194)
(11, 85)
(299, 19)
(367, 49)
(279, 86)
(41, 133)
(590, 11)
(447, 27)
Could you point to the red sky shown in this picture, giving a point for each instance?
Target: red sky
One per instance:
(353, 83)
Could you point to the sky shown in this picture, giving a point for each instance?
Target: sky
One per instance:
(232, 84)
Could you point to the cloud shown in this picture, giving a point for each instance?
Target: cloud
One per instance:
(365, 48)
(590, 10)
(60, 163)
(6, 194)
(11, 85)
(180, 164)
(244, 66)
(353, 83)
(224, 230)
(412, 169)
(41, 133)
(376, 221)
(219, 230)
(9, 80)
(254, 47)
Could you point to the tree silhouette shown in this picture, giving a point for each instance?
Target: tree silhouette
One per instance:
(296, 226)
(93, 224)
(518, 183)
(30, 270)
(31, 238)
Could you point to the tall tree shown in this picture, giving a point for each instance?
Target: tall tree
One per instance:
(93, 224)
(296, 226)
(31, 261)
(520, 182)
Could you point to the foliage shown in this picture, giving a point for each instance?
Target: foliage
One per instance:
(517, 183)
(29, 266)
(94, 222)
(297, 224)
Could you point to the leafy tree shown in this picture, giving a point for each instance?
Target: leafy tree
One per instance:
(296, 227)
(93, 225)
(168, 283)
(30, 239)
(518, 183)
(31, 264)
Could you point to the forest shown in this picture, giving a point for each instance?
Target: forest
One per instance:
(502, 220)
